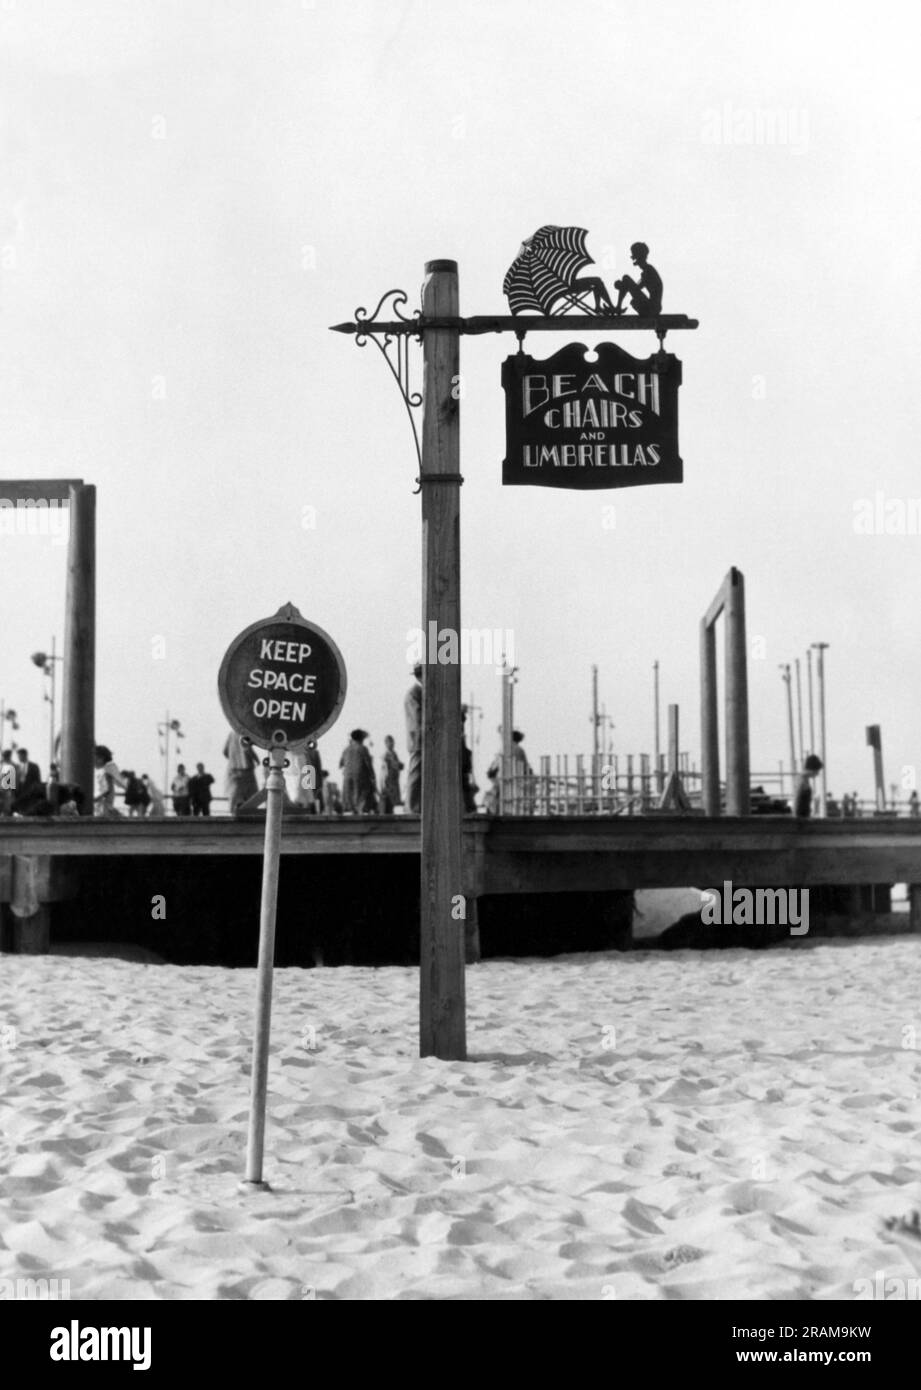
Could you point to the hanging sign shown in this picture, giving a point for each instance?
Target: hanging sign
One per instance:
(282, 681)
(580, 421)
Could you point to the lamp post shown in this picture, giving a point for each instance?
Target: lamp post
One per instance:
(8, 716)
(169, 726)
(785, 676)
(475, 713)
(811, 704)
(594, 717)
(821, 648)
(799, 713)
(506, 783)
(45, 662)
(655, 686)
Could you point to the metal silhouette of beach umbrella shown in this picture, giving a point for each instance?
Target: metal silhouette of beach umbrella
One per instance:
(545, 269)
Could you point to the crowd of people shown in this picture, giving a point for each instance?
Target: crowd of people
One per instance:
(24, 792)
(143, 799)
(362, 789)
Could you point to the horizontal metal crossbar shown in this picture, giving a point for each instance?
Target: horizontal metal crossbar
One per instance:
(520, 324)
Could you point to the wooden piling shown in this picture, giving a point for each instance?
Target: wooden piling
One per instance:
(914, 906)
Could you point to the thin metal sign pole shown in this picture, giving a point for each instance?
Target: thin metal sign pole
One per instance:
(274, 787)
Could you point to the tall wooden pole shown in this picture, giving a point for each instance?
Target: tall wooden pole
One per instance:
(79, 664)
(785, 676)
(738, 773)
(799, 712)
(166, 757)
(811, 708)
(821, 648)
(475, 713)
(673, 758)
(594, 717)
(709, 723)
(51, 757)
(442, 1002)
(655, 698)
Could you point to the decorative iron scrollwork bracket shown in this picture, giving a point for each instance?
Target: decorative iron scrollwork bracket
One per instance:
(392, 341)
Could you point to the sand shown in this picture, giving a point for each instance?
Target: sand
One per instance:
(696, 1125)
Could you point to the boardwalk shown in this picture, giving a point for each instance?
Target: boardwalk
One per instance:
(530, 854)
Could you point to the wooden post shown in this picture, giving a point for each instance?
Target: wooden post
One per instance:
(709, 722)
(821, 648)
(672, 740)
(914, 907)
(595, 712)
(738, 779)
(799, 713)
(442, 1003)
(655, 697)
(785, 668)
(31, 936)
(506, 771)
(472, 931)
(811, 707)
(79, 673)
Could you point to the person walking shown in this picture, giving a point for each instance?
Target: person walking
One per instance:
(182, 799)
(412, 708)
(332, 801)
(156, 806)
(7, 782)
(311, 780)
(29, 786)
(241, 776)
(469, 788)
(802, 805)
(137, 797)
(303, 780)
(391, 767)
(358, 787)
(200, 791)
(106, 778)
(515, 795)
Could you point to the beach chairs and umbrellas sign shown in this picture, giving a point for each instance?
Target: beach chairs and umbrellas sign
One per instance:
(282, 682)
(603, 420)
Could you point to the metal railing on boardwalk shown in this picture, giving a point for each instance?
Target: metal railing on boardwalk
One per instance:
(569, 786)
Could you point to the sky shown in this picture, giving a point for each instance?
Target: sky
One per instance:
(192, 192)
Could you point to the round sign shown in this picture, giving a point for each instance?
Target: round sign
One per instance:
(282, 681)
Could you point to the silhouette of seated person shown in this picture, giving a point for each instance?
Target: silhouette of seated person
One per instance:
(645, 294)
(595, 286)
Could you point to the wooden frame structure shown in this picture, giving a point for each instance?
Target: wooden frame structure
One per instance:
(78, 710)
(731, 600)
